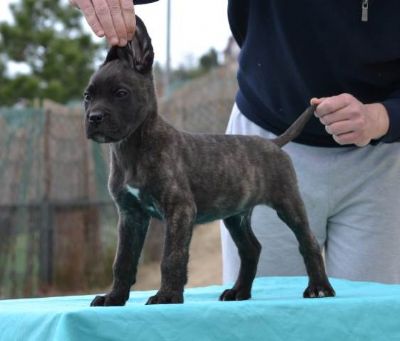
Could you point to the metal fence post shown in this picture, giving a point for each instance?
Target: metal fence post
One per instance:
(46, 233)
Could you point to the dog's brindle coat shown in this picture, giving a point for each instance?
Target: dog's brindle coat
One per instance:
(186, 179)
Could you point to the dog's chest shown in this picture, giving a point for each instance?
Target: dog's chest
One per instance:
(147, 203)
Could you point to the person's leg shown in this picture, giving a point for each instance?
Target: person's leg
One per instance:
(311, 165)
(364, 229)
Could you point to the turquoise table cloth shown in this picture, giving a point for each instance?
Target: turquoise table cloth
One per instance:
(277, 311)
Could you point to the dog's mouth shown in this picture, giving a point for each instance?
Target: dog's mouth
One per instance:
(109, 134)
(99, 138)
(99, 134)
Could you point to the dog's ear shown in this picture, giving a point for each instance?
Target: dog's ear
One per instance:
(138, 53)
(143, 54)
(116, 52)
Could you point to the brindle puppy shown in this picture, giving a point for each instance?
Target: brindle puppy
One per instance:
(186, 179)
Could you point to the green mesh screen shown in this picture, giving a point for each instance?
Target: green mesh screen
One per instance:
(57, 223)
(54, 204)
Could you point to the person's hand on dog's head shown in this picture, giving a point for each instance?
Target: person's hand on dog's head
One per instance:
(114, 19)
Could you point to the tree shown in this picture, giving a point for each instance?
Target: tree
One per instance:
(206, 62)
(209, 60)
(48, 36)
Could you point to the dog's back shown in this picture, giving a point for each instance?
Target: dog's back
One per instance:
(228, 173)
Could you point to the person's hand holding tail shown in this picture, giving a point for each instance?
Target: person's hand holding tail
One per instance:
(351, 122)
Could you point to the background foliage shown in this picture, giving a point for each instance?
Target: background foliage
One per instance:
(48, 36)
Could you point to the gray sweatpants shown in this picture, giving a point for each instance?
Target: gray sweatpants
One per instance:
(352, 198)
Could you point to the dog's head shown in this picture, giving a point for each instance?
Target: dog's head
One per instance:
(120, 92)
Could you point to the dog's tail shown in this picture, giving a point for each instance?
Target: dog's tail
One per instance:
(295, 129)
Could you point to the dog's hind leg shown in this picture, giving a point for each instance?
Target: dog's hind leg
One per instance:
(290, 209)
(132, 228)
(249, 251)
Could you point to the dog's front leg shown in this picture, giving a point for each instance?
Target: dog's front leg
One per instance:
(179, 227)
(132, 228)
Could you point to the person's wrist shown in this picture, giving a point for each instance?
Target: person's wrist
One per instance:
(379, 119)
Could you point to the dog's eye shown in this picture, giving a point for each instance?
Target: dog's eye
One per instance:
(87, 97)
(121, 93)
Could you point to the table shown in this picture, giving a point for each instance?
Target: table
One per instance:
(277, 311)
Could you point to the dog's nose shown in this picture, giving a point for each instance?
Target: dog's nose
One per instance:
(95, 117)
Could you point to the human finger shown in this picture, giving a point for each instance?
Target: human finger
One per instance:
(128, 12)
(316, 101)
(352, 138)
(341, 127)
(344, 138)
(118, 21)
(106, 21)
(334, 103)
(340, 115)
(89, 13)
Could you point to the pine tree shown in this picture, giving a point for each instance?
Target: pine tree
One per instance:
(48, 36)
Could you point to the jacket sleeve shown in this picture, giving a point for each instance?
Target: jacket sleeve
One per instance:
(392, 105)
(142, 2)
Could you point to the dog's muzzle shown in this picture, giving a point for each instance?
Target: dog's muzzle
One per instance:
(98, 128)
(95, 117)
(93, 126)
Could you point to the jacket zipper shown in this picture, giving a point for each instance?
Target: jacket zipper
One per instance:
(364, 10)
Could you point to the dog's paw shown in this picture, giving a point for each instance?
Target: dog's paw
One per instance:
(319, 291)
(108, 300)
(235, 295)
(166, 298)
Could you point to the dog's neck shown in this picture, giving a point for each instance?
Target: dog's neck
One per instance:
(135, 138)
(144, 137)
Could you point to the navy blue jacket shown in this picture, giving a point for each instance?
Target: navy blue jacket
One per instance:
(292, 51)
